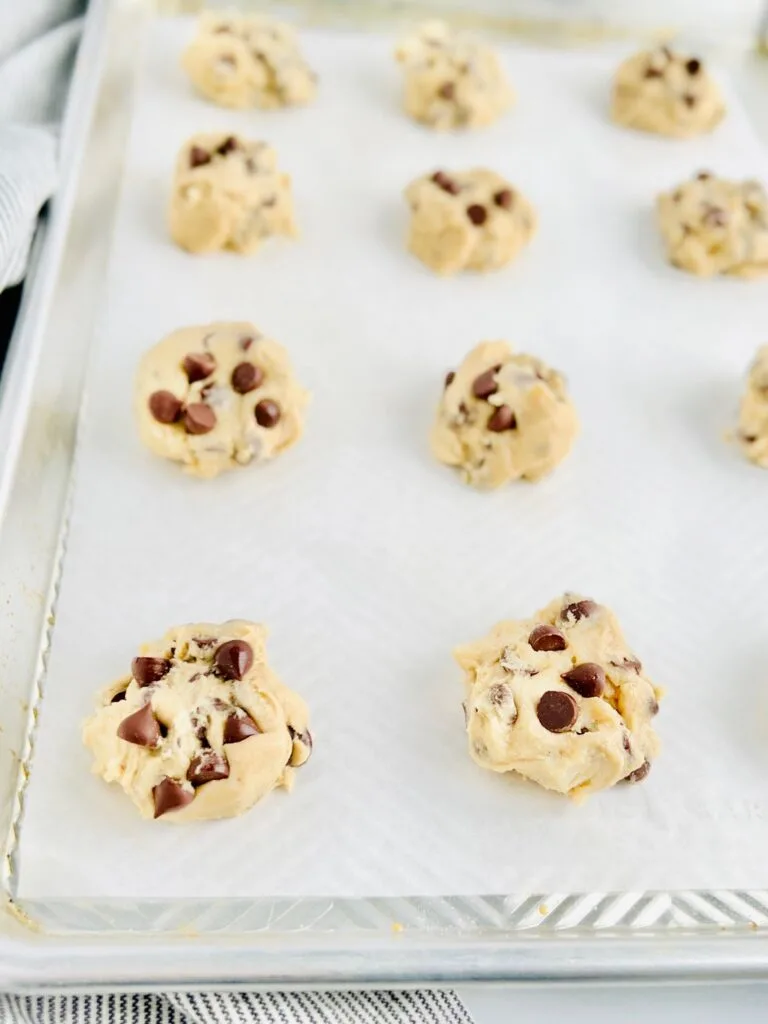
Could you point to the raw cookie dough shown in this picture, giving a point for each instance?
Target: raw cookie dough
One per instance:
(218, 396)
(752, 434)
(201, 727)
(247, 60)
(468, 220)
(503, 416)
(713, 226)
(560, 699)
(667, 93)
(452, 81)
(229, 194)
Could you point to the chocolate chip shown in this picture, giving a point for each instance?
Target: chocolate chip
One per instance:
(228, 145)
(447, 91)
(246, 377)
(652, 72)
(693, 66)
(689, 100)
(627, 744)
(450, 377)
(120, 695)
(199, 156)
(298, 757)
(485, 385)
(199, 418)
(245, 342)
(446, 183)
(504, 198)
(547, 638)
(502, 419)
(170, 795)
(267, 413)
(579, 610)
(140, 728)
(165, 407)
(477, 214)
(653, 707)
(499, 694)
(704, 175)
(233, 659)
(639, 773)
(198, 366)
(587, 679)
(557, 711)
(239, 727)
(207, 767)
(149, 670)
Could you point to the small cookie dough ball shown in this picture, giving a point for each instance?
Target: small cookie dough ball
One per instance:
(667, 93)
(467, 220)
(242, 60)
(714, 226)
(752, 434)
(451, 81)
(503, 416)
(229, 194)
(560, 699)
(201, 727)
(217, 397)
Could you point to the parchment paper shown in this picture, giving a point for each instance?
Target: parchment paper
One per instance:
(369, 561)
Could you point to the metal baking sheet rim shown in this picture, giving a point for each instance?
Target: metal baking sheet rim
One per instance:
(534, 938)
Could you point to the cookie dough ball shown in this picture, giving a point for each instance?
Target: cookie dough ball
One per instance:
(560, 699)
(503, 416)
(752, 434)
(201, 727)
(242, 60)
(713, 226)
(467, 220)
(229, 194)
(217, 397)
(451, 81)
(667, 93)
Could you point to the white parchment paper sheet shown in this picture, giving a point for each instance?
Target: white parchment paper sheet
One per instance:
(369, 561)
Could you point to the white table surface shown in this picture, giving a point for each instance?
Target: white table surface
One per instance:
(667, 1004)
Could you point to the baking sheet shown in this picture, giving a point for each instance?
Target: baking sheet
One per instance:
(369, 561)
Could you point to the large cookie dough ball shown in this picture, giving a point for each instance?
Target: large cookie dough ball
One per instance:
(229, 194)
(201, 727)
(451, 81)
(667, 93)
(560, 699)
(503, 416)
(467, 220)
(241, 60)
(714, 226)
(217, 397)
(752, 434)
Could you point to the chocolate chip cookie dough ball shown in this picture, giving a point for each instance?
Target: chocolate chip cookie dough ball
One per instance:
(503, 416)
(217, 397)
(201, 727)
(560, 699)
(667, 93)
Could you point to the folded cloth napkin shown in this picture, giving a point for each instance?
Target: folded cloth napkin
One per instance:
(412, 1007)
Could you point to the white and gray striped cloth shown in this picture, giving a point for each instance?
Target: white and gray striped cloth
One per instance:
(412, 1007)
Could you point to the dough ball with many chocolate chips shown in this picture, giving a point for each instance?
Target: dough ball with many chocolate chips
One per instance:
(560, 699)
(503, 416)
(467, 220)
(752, 434)
(452, 80)
(714, 226)
(248, 60)
(229, 194)
(667, 93)
(217, 397)
(201, 727)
